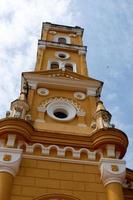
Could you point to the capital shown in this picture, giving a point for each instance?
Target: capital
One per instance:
(112, 170)
(10, 160)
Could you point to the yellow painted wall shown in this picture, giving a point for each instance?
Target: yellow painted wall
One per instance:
(40, 177)
(88, 105)
(50, 54)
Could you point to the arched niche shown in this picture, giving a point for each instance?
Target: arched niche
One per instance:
(56, 197)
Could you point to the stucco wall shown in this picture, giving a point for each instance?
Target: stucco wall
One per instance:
(40, 177)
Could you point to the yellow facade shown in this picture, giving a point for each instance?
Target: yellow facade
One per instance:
(57, 142)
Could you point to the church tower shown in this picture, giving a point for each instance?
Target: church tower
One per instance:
(57, 142)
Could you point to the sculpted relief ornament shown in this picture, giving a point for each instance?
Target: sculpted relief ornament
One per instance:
(112, 170)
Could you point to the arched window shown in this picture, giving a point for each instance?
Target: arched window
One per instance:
(54, 65)
(69, 67)
(62, 40)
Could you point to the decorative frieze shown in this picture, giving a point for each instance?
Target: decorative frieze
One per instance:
(60, 100)
(60, 151)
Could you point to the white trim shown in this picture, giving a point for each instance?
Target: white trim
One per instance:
(71, 63)
(11, 140)
(10, 166)
(91, 91)
(71, 84)
(43, 91)
(79, 95)
(61, 151)
(43, 105)
(108, 175)
(61, 106)
(61, 64)
(50, 61)
(110, 150)
(82, 52)
(42, 43)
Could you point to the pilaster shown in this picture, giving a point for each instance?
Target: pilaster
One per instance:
(9, 165)
(113, 173)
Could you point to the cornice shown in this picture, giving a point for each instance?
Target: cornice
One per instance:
(44, 44)
(113, 136)
(97, 140)
(35, 78)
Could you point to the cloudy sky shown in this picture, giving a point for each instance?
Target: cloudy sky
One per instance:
(108, 34)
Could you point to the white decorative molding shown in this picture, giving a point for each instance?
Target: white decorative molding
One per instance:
(10, 160)
(2, 142)
(61, 151)
(91, 92)
(79, 95)
(32, 85)
(50, 61)
(112, 170)
(42, 91)
(72, 35)
(71, 84)
(11, 140)
(42, 46)
(71, 64)
(64, 107)
(61, 64)
(110, 150)
(53, 32)
(82, 52)
(43, 106)
(52, 44)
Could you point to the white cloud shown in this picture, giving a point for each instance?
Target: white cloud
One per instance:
(20, 25)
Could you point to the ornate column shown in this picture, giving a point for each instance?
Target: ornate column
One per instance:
(112, 175)
(10, 159)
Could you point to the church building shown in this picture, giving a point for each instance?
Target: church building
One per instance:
(57, 141)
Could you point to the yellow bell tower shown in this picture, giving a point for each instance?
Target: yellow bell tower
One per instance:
(57, 142)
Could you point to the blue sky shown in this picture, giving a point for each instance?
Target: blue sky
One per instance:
(108, 34)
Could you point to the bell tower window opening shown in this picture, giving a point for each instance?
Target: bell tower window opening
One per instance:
(54, 65)
(62, 40)
(69, 67)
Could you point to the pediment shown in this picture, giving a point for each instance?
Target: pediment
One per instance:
(60, 73)
(65, 80)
